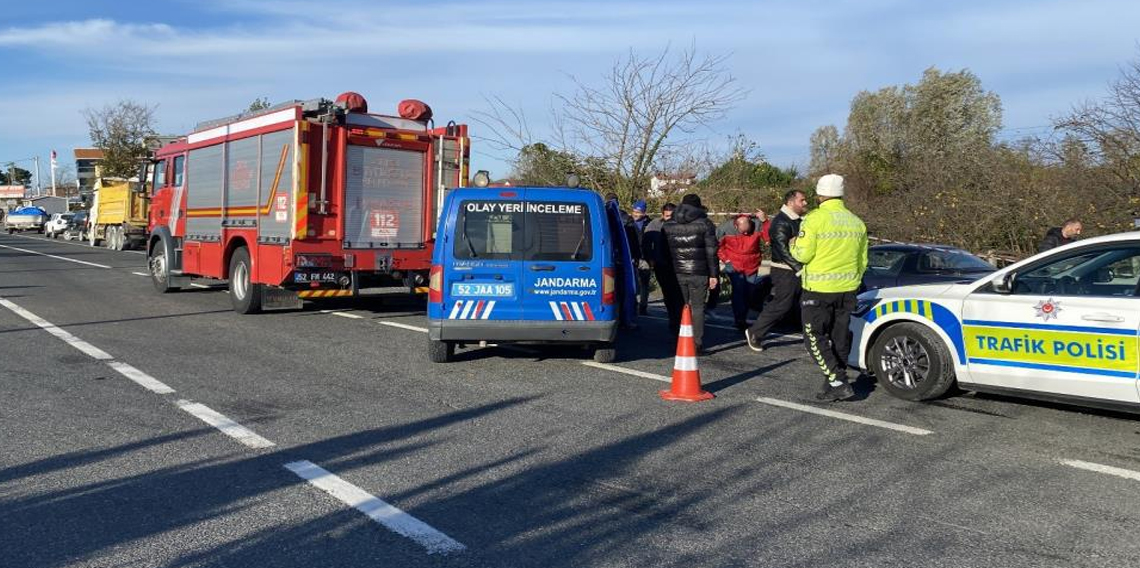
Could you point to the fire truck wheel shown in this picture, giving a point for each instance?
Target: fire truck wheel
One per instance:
(441, 351)
(246, 296)
(160, 269)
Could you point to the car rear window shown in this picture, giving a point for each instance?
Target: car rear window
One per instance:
(523, 230)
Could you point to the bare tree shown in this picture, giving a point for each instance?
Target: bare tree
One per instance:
(1110, 128)
(120, 131)
(624, 125)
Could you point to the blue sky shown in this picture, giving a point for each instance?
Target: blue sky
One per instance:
(801, 61)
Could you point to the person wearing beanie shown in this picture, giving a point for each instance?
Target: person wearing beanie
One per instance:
(832, 247)
(691, 238)
(640, 221)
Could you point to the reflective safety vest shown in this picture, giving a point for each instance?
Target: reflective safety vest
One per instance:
(832, 245)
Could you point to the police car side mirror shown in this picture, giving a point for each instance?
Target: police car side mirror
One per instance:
(1004, 283)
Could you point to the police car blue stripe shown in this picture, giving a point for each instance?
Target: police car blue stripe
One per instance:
(1048, 327)
(1062, 368)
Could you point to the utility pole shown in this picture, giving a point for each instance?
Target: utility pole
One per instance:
(39, 178)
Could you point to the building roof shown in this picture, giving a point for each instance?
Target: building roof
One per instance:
(88, 154)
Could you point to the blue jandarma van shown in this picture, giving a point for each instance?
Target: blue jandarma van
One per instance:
(526, 265)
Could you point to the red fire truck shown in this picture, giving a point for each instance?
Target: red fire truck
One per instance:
(304, 200)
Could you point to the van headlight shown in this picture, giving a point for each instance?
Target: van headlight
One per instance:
(864, 305)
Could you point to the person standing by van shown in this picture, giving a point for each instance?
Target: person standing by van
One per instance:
(656, 251)
(691, 238)
(640, 222)
(832, 246)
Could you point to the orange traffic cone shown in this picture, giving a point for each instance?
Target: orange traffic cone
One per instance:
(686, 376)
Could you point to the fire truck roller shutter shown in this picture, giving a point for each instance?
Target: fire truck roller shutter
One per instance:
(275, 216)
(204, 193)
(384, 193)
(241, 182)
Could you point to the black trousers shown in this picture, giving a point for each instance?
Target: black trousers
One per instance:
(786, 290)
(670, 295)
(826, 317)
(643, 289)
(694, 291)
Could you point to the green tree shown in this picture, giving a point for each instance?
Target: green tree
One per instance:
(15, 175)
(260, 103)
(120, 130)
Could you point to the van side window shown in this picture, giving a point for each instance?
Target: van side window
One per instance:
(179, 165)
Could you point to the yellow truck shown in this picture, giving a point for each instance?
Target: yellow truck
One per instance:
(119, 213)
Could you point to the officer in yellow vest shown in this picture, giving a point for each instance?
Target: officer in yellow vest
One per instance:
(832, 245)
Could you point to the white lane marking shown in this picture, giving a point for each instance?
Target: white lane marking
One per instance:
(730, 328)
(227, 426)
(76, 244)
(142, 379)
(140, 274)
(51, 328)
(404, 326)
(197, 285)
(96, 265)
(342, 314)
(392, 517)
(633, 372)
(845, 416)
(1101, 468)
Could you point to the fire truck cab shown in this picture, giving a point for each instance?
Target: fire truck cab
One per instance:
(304, 200)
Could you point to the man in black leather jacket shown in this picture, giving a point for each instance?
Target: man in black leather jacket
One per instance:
(786, 285)
(691, 238)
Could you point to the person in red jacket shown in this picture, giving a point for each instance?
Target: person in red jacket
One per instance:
(741, 255)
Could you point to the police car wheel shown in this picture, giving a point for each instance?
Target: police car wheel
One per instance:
(440, 351)
(605, 353)
(911, 362)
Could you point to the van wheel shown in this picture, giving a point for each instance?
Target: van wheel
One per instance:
(605, 353)
(245, 295)
(911, 362)
(441, 351)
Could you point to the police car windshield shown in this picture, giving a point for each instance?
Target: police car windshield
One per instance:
(523, 230)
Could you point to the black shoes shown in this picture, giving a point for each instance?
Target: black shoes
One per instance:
(753, 341)
(833, 393)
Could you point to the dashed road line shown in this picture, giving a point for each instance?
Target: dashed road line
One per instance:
(197, 285)
(844, 416)
(404, 326)
(75, 244)
(392, 517)
(1101, 468)
(627, 371)
(140, 274)
(342, 314)
(95, 264)
(227, 426)
(142, 379)
(87, 348)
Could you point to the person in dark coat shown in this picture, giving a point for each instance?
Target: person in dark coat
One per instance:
(784, 273)
(691, 237)
(656, 252)
(640, 222)
(1068, 232)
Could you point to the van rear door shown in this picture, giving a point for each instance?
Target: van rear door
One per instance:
(483, 280)
(562, 265)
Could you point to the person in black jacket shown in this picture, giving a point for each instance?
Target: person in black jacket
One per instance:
(1063, 235)
(692, 242)
(786, 285)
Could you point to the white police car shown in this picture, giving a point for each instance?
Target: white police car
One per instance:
(1061, 325)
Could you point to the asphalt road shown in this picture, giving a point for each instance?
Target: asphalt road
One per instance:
(139, 429)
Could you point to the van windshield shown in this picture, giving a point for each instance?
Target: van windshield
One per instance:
(523, 230)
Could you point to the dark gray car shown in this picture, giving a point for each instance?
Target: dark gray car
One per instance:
(900, 264)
